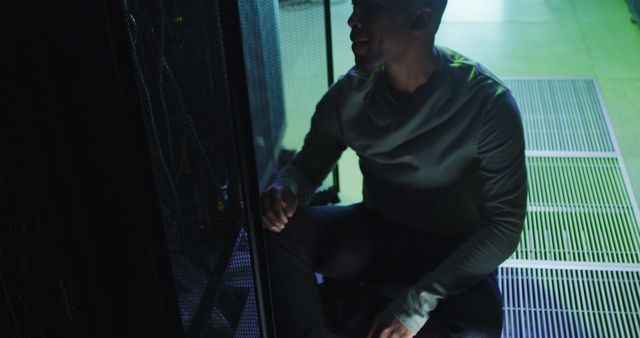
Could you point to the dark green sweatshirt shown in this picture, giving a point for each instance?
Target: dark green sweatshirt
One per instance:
(448, 159)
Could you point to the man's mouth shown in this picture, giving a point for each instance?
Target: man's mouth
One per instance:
(359, 46)
(358, 37)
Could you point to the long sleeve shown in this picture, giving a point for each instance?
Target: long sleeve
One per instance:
(502, 207)
(322, 148)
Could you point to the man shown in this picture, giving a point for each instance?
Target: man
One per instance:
(441, 150)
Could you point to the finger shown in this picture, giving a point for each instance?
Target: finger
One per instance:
(291, 208)
(266, 223)
(269, 222)
(270, 219)
(284, 207)
(386, 333)
(287, 210)
(276, 208)
(291, 202)
(267, 202)
(398, 334)
(279, 227)
(373, 330)
(273, 228)
(273, 221)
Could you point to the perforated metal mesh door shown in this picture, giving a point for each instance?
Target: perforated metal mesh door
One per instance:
(178, 52)
(261, 42)
(305, 68)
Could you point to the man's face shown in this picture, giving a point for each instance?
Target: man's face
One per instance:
(380, 32)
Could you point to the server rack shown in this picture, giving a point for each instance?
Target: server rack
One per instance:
(133, 170)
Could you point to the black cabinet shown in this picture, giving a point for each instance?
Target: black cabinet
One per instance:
(129, 181)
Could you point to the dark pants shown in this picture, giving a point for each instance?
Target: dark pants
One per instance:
(352, 243)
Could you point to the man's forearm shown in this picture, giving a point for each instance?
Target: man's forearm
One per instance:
(477, 257)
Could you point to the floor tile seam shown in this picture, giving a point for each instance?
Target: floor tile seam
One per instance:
(570, 265)
(604, 21)
(616, 78)
(583, 38)
(508, 21)
(571, 154)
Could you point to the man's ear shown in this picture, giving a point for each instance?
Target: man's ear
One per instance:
(422, 20)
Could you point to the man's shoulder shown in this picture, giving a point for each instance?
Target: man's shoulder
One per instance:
(464, 72)
(469, 81)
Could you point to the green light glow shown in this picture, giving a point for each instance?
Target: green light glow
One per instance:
(579, 210)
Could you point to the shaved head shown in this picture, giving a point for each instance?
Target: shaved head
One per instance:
(437, 6)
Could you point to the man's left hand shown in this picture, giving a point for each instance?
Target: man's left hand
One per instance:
(387, 326)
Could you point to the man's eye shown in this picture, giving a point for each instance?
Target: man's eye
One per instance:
(362, 7)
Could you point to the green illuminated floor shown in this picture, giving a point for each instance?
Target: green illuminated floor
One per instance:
(590, 219)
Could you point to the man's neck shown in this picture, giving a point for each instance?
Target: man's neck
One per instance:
(412, 71)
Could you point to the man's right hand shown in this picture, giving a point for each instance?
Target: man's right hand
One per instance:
(279, 204)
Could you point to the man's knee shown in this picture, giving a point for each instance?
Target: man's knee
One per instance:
(475, 313)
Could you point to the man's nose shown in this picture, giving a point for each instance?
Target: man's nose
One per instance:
(354, 20)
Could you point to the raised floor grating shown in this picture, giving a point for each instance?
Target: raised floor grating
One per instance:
(570, 303)
(576, 272)
(579, 209)
(578, 237)
(562, 115)
(594, 184)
